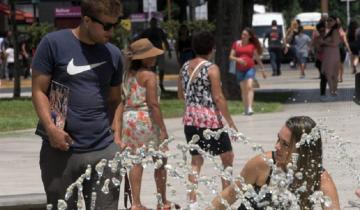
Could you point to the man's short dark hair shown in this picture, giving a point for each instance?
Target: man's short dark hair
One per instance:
(274, 23)
(320, 25)
(203, 42)
(94, 8)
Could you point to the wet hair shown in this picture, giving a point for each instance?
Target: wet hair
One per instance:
(203, 43)
(93, 8)
(254, 40)
(309, 161)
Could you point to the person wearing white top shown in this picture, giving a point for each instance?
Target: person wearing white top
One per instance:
(10, 60)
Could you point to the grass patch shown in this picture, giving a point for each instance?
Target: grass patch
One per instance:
(264, 103)
(17, 114)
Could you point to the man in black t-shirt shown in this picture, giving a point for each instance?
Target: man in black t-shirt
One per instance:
(275, 37)
(82, 60)
(158, 37)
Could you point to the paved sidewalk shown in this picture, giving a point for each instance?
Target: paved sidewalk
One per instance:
(19, 152)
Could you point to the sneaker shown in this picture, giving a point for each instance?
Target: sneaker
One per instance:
(302, 76)
(324, 98)
(250, 111)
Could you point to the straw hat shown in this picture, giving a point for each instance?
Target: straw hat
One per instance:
(143, 48)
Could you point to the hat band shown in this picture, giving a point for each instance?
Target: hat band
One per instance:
(142, 50)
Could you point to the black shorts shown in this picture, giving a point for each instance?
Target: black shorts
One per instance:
(342, 53)
(213, 146)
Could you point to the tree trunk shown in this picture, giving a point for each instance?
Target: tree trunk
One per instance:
(231, 17)
(17, 85)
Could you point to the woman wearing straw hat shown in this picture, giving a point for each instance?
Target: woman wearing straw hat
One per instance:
(138, 120)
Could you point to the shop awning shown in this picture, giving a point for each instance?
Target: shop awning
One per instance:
(20, 15)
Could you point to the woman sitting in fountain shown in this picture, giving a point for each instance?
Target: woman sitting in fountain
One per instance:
(291, 177)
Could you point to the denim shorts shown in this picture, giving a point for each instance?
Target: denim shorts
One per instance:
(245, 75)
(301, 57)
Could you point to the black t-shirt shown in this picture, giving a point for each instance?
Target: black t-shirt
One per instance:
(274, 38)
(156, 36)
(88, 71)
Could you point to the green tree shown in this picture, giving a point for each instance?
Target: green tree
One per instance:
(291, 11)
(37, 32)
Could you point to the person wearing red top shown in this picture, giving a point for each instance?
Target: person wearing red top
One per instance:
(243, 52)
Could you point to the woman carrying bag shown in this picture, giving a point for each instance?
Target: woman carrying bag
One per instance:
(243, 52)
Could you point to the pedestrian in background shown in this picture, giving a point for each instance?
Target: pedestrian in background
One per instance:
(10, 62)
(25, 58)
(275, 40)
(82, 60)
(138, 119)
(318, 36)
(302, 46)
(331, 54)
(205, 105)
(243, 52)
(290, 40)
(354, 44)
(183, 48)
(4, 45)
(343, 47)
(158, 38)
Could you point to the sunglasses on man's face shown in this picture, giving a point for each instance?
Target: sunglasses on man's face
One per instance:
(106, 26)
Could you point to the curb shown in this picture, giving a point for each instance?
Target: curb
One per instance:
(23, 202)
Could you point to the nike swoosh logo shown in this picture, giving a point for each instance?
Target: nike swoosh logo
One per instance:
(72, 69)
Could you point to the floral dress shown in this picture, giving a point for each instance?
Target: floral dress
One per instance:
(201, 111)
(138, 128)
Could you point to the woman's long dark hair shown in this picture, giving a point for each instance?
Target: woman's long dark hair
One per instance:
(254, 40)
(334, 28)
(309, 161)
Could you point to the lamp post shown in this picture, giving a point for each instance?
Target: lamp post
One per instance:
(324, 8)
(34, 3)
(169, 9)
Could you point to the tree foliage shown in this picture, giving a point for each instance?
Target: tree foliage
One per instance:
(37, 32)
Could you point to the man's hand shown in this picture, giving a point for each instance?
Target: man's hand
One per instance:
(59, 139)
